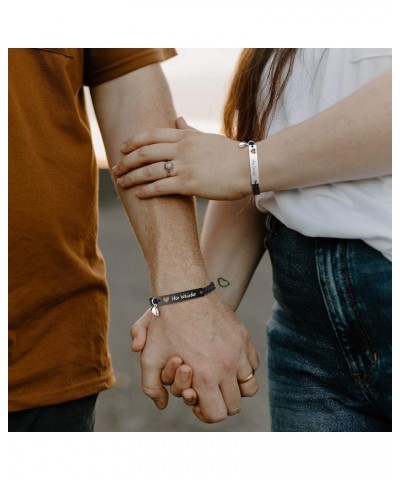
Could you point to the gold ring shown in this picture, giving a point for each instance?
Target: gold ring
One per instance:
(246, 379)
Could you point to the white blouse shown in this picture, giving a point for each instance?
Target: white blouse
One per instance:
(359, 209)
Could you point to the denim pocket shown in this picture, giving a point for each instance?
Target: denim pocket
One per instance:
(352, 333)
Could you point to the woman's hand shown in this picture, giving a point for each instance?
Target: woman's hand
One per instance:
(204, 164)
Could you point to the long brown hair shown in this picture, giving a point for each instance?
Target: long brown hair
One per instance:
(243, 119)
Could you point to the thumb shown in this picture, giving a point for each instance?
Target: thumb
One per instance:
(139, 332)
(182, 125)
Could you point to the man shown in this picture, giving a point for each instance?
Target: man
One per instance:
(58, 305)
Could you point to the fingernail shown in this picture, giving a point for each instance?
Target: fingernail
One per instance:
(123, 146)
(120, 181)
(185, 374)
(115, 168)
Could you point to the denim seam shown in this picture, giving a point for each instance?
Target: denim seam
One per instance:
(325, 267)
(373, 359)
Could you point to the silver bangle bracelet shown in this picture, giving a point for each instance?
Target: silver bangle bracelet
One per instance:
(253, 160)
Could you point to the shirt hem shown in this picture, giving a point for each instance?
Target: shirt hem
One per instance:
(60, 396)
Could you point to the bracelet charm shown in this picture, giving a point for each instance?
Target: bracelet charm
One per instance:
(154, 309)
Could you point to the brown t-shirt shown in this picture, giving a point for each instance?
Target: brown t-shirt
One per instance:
(58, 297)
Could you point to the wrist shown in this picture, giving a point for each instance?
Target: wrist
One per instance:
(201, 310)
(167, 299)
(178, 278)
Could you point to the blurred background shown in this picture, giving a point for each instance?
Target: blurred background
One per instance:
(199, 79)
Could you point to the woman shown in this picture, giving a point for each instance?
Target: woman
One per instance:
(321, 120)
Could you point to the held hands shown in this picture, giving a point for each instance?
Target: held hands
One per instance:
(206, 165)
(175, 373)
(216, 346)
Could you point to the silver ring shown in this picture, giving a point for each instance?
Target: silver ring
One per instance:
(169, 166)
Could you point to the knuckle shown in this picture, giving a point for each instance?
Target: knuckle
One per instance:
(148, 171)
(227, 363)
(131, 141)
(205, 379)
(153, 134)
(142, 152)
(186, 142)
(158, 188)
(120, 166)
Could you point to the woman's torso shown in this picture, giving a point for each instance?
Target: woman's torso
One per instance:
(354, 209)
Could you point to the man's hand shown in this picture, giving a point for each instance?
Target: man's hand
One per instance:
(175, 373)
(210, 338)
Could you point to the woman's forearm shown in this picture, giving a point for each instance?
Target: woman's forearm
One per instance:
(349, 141)
(232, 243)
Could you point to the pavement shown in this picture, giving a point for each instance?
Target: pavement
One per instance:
(124, 408)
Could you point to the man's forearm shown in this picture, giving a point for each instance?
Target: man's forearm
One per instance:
(207, 335)
(165, 227)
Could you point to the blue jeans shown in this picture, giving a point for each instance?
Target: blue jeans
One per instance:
(330, 336)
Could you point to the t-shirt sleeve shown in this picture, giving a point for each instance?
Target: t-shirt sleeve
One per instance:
(104, 64)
